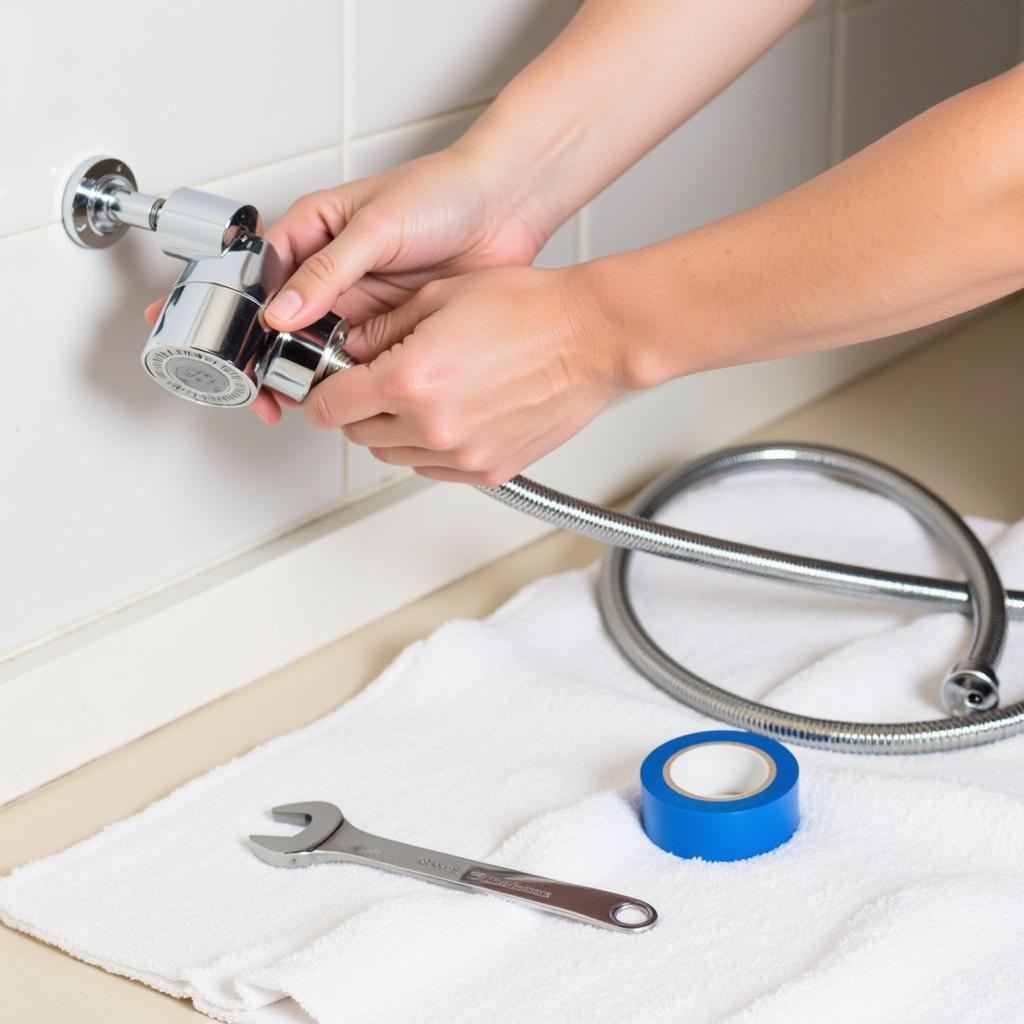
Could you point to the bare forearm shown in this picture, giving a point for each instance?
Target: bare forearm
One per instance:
(926, 223)
(621, 76)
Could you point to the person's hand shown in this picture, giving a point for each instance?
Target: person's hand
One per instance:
(366, 247)
(375, 241)
(477, 376)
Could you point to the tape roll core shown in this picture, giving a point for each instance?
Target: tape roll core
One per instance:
(720, 795)
(719, 771)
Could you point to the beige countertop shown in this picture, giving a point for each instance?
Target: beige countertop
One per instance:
(948, 413)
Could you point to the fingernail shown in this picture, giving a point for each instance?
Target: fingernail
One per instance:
(286, 305)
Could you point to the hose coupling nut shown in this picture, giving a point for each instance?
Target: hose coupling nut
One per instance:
(970, 686)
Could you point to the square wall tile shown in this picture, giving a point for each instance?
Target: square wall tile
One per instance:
(903, 56)
(766, 133)
(183, 93)
(410, 60)
(112, 486)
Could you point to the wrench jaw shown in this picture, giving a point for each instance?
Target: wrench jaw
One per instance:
(321, 820)
(302, 859)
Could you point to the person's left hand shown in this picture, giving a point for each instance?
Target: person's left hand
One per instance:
(477, 376)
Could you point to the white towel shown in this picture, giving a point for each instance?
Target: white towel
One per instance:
(518, 740)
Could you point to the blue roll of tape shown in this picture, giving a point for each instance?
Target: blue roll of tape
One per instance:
(720, 795)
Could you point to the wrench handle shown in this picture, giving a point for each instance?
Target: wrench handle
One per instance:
(595, 906)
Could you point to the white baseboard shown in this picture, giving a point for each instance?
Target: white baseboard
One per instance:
(111, 681)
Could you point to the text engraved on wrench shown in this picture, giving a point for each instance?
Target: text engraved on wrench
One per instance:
(440, 865)
(509, 883)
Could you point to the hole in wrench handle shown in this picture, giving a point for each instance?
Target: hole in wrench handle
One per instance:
(594, 906)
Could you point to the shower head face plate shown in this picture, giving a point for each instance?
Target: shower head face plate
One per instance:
(208, 345)
(200, 377)
(211, 345)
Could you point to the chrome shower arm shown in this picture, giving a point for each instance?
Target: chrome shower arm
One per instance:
(102, 200)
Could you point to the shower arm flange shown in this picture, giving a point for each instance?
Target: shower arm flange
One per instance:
(102, 200)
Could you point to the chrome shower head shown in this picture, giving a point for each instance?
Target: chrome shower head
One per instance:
(211, 343)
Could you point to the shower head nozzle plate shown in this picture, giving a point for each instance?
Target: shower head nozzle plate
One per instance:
(199, 376)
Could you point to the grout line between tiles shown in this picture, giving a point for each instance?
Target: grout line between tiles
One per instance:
(347, 70)
(837, 88)
(583, 234)
(346, 471)
(430, 119)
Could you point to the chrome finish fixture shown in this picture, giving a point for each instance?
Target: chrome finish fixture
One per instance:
(101, 201)
(303, 358)
(970, 686)
(205, 344)
(88, 200)
(328, 837)
(192, 224)
(210, 343)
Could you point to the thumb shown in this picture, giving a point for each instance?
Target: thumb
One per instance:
(314, 288)
(366, 341)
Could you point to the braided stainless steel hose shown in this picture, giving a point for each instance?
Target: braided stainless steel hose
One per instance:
(970, 689)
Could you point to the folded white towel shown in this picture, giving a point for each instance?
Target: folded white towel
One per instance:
(518, 740)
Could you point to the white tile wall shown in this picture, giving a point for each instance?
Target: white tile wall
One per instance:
(413, 59)
(903, 56)
(119, 488)
(765, 133)
(112, 486)
(185, 91)
(111, 489)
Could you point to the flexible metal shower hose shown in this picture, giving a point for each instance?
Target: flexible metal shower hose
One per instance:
(970, 690)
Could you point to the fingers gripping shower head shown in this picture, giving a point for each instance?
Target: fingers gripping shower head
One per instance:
(211, 343)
